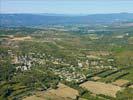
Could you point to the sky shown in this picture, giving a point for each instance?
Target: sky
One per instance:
(66, 6)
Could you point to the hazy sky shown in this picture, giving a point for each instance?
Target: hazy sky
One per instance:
(66, 6)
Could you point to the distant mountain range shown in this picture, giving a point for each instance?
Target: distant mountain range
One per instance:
(23, 20)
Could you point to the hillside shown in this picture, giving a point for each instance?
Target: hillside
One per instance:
(11, 20)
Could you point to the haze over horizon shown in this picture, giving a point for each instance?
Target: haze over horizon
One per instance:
(73, 7)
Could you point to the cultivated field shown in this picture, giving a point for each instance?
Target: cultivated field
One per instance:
(21, 38)
(63, 92)
(101, 88)
(121, 82)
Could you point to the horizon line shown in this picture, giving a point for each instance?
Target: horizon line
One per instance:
(68, 13)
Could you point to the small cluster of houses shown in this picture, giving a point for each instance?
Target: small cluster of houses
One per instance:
(70, 74)
(23, 62)
(95, 64)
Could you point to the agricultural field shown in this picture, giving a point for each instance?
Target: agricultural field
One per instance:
(62, 92)
(101, 88)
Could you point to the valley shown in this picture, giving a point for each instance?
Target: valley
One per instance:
(63, 63)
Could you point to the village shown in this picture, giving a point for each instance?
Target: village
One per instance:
(70, 72)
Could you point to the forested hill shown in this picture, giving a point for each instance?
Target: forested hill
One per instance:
(9, 20)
